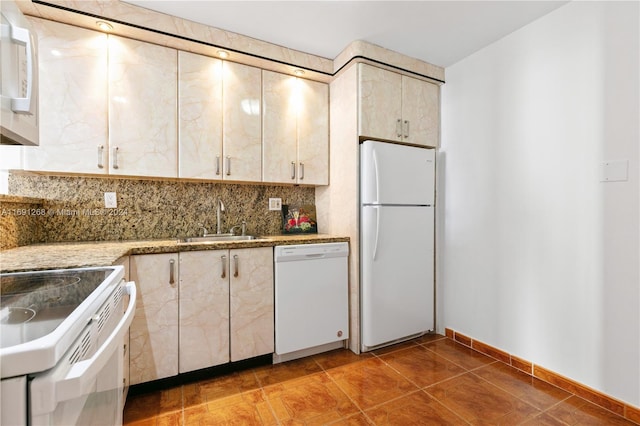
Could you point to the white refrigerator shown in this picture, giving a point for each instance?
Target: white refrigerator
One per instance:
(397, 242)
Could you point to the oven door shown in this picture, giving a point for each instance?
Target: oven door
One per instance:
(86, 387)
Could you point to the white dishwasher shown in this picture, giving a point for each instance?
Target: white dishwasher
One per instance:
(311, 299)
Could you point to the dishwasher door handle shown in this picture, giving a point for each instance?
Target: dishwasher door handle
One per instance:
(315, 256)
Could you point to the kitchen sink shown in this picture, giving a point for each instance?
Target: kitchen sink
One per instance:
(216, 238)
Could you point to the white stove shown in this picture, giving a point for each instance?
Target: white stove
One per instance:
(61, 334)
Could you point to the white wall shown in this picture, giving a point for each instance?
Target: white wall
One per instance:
(536, 255)
(10, 158)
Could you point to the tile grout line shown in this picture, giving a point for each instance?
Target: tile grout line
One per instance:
(264, 395)
(345, 393)
(540, 411)
(461, 366)
(423, 389)
(452, 334)
(416, 384)
(417, 390)
(466, 371)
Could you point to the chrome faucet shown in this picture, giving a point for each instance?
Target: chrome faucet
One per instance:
(243, 226)
(219, 210)
(205, 232)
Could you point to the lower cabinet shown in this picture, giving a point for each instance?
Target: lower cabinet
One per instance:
(153, 334)
(204, 309)
(200, 309)
(251, 302)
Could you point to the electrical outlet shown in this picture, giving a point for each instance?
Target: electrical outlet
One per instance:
(110, 200)
(275, 203)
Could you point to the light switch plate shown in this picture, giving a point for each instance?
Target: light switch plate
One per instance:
(110, 200)
(614, 171)
(275, 203)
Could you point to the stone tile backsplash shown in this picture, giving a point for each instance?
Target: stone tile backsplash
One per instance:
(149, 209)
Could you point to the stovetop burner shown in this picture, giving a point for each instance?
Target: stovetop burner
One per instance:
(18, 316)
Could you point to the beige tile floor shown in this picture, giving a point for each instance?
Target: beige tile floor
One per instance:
(428, 381)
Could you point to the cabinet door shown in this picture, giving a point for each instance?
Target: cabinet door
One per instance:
(153, 349)
(380, 105)
(420, 112)
(204, 309)
(313, 133)
(242, 136)
(142, 108)
(281, 102)
(73, 100)
(251, 302)
(200, 116)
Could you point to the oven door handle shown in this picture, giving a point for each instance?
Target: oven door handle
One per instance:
(83, 373)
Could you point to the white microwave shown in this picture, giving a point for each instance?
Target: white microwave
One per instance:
(19, 77)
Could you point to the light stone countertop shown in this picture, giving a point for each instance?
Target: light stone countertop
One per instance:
(86, 254)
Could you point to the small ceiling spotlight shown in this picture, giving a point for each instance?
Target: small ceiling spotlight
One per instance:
(223, 54)
(298, 72)
(104, 26)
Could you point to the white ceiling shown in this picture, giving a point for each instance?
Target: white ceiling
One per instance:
(439, 32)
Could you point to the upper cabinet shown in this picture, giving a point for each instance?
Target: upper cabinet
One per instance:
(118, 106)
(241, 87)
(295, 130)
(73, 100)
(200, 116)
(107, 104)
(142, 108)
(397, 107)
(219, 126)
(420, 112)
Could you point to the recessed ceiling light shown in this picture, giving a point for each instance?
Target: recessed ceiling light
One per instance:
(223, 54)
(104, 26)
(298, 72)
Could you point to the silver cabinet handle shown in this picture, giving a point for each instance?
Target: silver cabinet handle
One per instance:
(115, 157)
(301, 171)
(22, 36)
(100, 155)
(217, 164)
(399, 128)
(172, 267)
(228, 165)
(224, 266)
(235, 265)
(293, 170)
(406, 128)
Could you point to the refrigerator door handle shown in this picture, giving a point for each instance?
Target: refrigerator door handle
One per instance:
(377, 232)
(375, 175)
